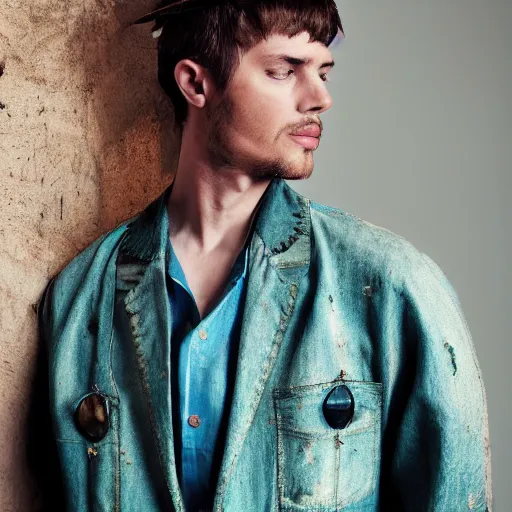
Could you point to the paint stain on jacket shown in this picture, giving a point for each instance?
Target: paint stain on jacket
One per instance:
(451, 350)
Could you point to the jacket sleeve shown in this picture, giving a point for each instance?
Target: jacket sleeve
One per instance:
(41, 444)
(440, 455)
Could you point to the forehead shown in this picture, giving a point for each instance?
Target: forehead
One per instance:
(297, 46)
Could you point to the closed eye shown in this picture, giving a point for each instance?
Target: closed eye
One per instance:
(277, 76)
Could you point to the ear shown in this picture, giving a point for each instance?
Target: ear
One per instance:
(194, 82)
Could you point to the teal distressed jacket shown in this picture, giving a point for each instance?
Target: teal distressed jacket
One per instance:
(330, 299)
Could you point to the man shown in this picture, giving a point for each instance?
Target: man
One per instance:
(237, 346)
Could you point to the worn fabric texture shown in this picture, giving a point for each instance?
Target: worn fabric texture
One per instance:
(331, 299)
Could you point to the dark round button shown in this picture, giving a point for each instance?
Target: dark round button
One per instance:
(92, 417)
(338, 407)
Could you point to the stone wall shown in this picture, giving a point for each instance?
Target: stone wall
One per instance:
(86, 140)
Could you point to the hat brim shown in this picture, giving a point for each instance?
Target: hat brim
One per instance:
(168, 10)
(176, 8)
(183, 6)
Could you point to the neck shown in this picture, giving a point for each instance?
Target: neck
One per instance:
(210, 207)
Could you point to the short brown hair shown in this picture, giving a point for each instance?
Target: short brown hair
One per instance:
(217, 36)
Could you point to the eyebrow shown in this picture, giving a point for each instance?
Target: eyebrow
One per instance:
(297, 61)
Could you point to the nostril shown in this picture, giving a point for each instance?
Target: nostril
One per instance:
(2, 67)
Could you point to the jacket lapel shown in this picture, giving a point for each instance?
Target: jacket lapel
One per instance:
(279, 256)
(142, 268)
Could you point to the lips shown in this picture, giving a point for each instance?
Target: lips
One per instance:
(308, 136)
(306, 141)
(312, 130)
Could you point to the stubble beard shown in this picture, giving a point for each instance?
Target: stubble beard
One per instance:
(222, 156)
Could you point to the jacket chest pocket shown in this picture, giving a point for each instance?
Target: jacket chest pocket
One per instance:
(320, 467)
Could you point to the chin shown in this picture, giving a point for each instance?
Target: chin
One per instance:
(301, 170)
(277, 169)
(303, 176)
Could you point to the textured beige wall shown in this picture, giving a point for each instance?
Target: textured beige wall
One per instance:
(86, 140)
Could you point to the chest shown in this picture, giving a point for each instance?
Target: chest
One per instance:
(207, 276)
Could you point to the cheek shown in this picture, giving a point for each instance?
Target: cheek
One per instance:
(261, 117)
(261, 111)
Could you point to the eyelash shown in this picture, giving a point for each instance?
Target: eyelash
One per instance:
(324, 76)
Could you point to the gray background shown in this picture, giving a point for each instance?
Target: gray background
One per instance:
(419, 141)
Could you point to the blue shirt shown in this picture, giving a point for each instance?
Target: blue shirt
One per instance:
(203, 364)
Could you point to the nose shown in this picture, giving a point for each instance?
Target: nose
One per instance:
(316, 97)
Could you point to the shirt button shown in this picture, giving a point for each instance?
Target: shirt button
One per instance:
(194, 420)
(202, 334)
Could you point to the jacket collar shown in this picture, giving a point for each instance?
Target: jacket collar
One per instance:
(279, 255)
(282, 222)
